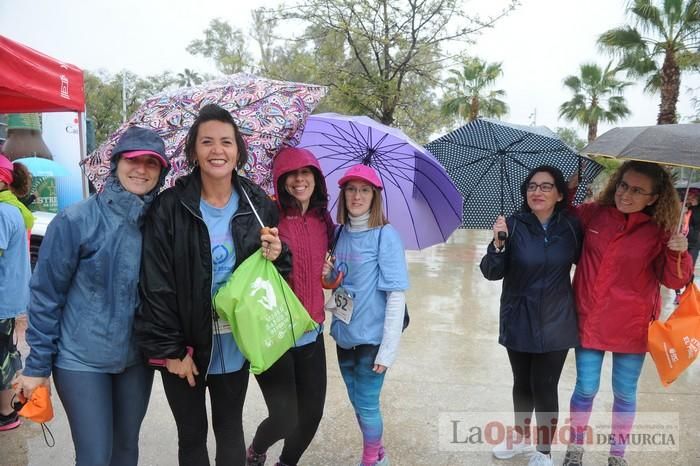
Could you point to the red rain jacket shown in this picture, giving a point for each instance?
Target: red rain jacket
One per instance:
(616, 285)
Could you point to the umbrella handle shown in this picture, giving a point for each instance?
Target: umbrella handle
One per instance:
(502, 236)
(333, 284)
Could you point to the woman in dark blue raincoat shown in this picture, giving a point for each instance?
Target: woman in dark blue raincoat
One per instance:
(537, 317)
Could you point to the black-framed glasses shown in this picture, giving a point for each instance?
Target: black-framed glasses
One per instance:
(544, 187)
(623, 187)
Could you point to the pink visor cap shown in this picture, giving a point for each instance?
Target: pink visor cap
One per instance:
(138, 153)
(5, 163)
(361, 173)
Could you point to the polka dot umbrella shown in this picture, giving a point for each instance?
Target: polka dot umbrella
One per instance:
(489, 159)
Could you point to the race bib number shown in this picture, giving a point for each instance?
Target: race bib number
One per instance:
(340, 304)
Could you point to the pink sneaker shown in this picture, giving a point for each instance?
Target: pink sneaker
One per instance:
(10, 421)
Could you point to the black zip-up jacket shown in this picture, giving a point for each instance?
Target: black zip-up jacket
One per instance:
(176, 268)
(538, 312)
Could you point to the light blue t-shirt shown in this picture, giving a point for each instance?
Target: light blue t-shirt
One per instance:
(15, 271)
(309, 336)
(373, 268)
(225, 357)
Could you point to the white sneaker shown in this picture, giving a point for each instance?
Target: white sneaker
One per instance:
(507, 449)
(540, 459)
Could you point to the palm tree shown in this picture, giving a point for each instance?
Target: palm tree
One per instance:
(469, 96)
(188, 78)
(664, 43)
(592, 88)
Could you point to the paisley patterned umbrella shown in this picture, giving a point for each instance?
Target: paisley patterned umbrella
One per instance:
(269, 114)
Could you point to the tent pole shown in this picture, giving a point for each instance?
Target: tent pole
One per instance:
(83, 154)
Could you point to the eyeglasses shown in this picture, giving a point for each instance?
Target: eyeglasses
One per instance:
(623, 187)
(365, 191)
(544, 187)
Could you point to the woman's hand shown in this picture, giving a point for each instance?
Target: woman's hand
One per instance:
(328, 265)
(271, 243)
(499, 226)
(25, 385)
(379, 369)
(678, 243)
(185, 369)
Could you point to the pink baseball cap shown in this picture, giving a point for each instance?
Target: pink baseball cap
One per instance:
(138, 153)
(5, 163)
(361, 172)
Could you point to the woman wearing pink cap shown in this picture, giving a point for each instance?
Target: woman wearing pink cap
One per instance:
(83, 298)
(368, 306)
(15, 221)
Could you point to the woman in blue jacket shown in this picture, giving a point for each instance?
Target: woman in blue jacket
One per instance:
(537, 317)
(84, 293)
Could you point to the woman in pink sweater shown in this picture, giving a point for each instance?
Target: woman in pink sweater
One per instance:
(294, 388)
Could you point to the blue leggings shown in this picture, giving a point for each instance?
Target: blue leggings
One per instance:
(364, 387)
(625, 375)
(105, 413)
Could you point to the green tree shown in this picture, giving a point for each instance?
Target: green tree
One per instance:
(593, 88)
(188, 78)
(571, 138)
(470, 95)
(381, 58)
(696, 107)
(663, 43)
(225, 45)
(103, 96)
(103, 103)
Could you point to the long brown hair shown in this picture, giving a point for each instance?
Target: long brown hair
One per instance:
(21, 180)
(376, 208)
(667, 208)
(319, 197)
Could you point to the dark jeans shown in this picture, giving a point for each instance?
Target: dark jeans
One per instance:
(105, 413)
(535, 387)
(227, 394)
(294, 389)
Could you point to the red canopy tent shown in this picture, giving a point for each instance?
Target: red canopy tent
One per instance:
(33, 82)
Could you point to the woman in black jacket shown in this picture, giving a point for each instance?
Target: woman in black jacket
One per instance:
(537, 317)
(195, 235)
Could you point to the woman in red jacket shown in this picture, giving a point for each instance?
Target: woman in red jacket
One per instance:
(630, 248)
(294, 388)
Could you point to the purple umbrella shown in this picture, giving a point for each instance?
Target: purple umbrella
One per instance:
(420, 199)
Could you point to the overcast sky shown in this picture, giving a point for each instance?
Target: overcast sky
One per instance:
(539, 44)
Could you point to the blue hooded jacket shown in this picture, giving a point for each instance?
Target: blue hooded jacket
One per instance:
(84, 291)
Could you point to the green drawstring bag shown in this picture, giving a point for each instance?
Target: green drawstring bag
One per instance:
(265, 315)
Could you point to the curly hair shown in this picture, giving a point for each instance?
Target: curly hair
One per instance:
(666, 210)
(22, 180)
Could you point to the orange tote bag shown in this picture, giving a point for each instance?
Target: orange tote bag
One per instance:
(675, 344)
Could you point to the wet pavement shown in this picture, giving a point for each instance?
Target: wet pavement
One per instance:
(451, 377)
